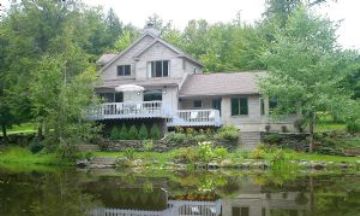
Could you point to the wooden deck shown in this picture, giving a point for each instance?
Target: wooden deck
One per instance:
(155, 109)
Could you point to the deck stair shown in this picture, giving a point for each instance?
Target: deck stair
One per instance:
(249, 139)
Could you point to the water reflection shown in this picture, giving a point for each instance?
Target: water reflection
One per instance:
(174, 194)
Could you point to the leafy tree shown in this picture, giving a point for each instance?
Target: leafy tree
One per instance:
(143, 133)
(303, 69)
(133, 133)
(155, 132)
(123, 133)
(115, 133)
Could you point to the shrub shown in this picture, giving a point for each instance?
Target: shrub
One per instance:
(155, 132)
(353, 126)
(200, 138)
(176, 137)
(133, 133)
(143, 133)
(258, 153)
(123, 133)
(148, 145)
(129, 153)
(187, 155)
(115, 133)
(205, 151)
(299, 124)
(190, 131)
(273, 138)
(229, 132)
(220, 152)
(36, 145)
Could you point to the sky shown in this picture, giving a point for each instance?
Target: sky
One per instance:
(181, 11)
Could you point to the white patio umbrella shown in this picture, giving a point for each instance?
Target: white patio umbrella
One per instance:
(129, 88)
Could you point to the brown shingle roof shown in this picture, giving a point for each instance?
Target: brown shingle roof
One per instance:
(106, 58)
(230, 83)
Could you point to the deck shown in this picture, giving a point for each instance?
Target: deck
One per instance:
(155, 109)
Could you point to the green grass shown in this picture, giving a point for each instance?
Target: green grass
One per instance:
(329, 126)
(239, 155)
(25, 128)
(16, 156)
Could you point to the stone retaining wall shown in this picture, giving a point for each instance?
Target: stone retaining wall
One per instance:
(289, 140)
(159, 145)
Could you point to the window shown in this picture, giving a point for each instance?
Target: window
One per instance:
(240, 211)
(273, 103)
(262, 106)
(124, 70)
(153, 95)
(112, 97)
(239, 106)
(197, 104)
(159, 68)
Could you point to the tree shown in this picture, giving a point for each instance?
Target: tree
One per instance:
(143, 133)
(303, 67)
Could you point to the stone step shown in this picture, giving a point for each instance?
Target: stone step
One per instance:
(88, 148)
(103, 161)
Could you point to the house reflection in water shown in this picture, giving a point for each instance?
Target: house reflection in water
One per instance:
(174, 208)
(256, 204)
(267, 204)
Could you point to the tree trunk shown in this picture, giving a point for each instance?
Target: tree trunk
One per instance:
(4, 132)
(312, 128)
(40, 131)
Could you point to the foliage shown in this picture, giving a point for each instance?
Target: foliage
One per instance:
(228, 132)
(176, 137)
(143, 133)
(115, 133)
(133, 133)
(258, 153)
(205, 151)
(129, 153)
(155, 132)
(273, 138)
(353, 126)
(220, 152)
(36, 145)
(148, 145)
(123, 133)
(188, 155)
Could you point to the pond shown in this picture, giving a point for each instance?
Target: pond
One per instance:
(161, 193)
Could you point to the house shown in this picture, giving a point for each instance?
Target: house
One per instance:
(154, 81)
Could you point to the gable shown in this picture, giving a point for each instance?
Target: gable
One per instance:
(156, 51)
(127, 56)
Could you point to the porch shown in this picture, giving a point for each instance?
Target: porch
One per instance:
(155, 109)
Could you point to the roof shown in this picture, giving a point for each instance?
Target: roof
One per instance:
(230, 83)
(156, 39)
(106, 58)
(154, 82)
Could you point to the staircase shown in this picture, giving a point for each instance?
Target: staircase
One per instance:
(249, 140)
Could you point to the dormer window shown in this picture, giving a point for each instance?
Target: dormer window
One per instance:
(159, 68)
(124, 70)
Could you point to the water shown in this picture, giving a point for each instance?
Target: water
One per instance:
(227, 193)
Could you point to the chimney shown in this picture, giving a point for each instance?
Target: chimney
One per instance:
(150, 28)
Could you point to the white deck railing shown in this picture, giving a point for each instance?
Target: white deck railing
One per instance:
(208, 117)
(146, 109)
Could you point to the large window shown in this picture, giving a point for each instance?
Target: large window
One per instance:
(112, 97)
(124, 70)
(197, 103)
(153, 95)
(239, 106)
(159, 68)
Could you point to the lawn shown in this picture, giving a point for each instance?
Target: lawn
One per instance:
(24, 128)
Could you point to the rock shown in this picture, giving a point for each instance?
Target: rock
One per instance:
(82, 163)
(137, 162)
(213, 165)
(318, 166)
(226, 163)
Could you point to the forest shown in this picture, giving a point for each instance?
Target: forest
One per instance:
(49, 48)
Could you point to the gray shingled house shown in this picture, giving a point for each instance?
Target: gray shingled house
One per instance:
(153, 80)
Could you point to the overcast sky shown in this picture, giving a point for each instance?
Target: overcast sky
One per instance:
(181, 11)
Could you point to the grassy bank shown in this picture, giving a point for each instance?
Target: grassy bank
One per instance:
(21, 158)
